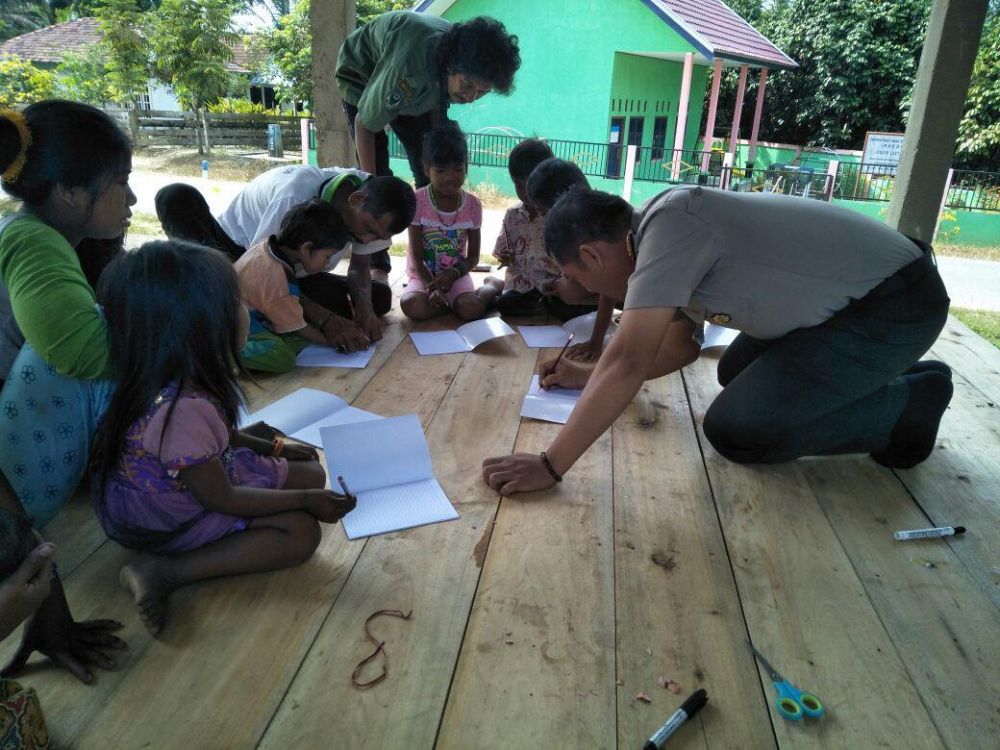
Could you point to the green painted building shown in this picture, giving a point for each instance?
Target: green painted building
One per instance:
(612, 72)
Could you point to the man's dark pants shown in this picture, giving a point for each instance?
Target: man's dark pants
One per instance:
(185, 215)
(410, 131)
(833, 388)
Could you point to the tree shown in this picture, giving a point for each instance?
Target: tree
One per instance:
(126, 48)
(288, 54)
(369, 10)
(22, 83)
(83, 76)
(289, 45)
(21, 16)
(191, 43)
(979, 131)
(857, 58)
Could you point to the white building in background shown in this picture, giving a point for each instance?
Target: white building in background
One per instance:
(47, 47)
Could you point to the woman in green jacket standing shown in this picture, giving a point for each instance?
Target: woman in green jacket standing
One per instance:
(403, 70)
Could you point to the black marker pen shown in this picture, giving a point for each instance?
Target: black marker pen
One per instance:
(688, 709)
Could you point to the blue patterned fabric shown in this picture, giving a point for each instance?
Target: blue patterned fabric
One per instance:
(47, 422)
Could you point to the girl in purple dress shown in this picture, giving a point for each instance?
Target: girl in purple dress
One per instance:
(172, 475)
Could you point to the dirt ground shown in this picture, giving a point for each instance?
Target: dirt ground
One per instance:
(224, 163)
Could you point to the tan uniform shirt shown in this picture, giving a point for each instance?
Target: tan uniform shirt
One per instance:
(761, 263)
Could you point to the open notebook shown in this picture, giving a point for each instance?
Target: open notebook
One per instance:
(463, 339)
(301, 414)
(316, 355)
(582, 328)
(387, 465)
(553, 405)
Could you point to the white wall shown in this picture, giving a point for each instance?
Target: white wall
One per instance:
(161, 97)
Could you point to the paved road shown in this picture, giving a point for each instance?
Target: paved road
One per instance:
(971, 283)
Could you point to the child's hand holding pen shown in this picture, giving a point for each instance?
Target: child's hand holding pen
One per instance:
(327, 506)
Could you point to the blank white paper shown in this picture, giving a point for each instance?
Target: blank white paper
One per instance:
(464, 339)
(540, 337)
(303, 413)
(316, 355)
(718, 336)
(439, 342)
(582, 328)
(387, 464)
(348, 415)
(553, 405)
(298, 410)
(480, 331)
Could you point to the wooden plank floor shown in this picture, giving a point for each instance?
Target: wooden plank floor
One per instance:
(538, 620)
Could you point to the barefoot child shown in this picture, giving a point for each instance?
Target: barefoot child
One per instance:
(533, 278)
(173, 477)
(283, 321)
(445, 236)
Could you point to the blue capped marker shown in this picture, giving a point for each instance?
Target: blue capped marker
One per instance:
(688, 709)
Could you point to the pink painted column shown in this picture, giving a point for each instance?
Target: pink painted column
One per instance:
(756, 114)
(682, 114)
(713, 105)
(734, 136)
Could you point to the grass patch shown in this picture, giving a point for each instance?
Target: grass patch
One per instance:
(987, 252)
(145, 224)
(225, 163)
(984, 322)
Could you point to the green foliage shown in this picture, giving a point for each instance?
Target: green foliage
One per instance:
(83, 76)
(288, 54)
(240, 106)
(857, 58)
(22, 83)
(979, 131)
(21, 16)
(289, 46)
(126, 49)
(369, 10)
(190, 41)
(67, 10)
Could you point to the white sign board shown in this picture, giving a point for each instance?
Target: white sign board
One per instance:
(882, 149)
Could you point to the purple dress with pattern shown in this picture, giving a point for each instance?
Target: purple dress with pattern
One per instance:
(145, 506)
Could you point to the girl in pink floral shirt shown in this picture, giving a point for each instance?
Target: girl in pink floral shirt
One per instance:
(445, 236)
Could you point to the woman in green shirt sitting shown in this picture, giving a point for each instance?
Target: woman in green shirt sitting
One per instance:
(68, 164)
(403, 70)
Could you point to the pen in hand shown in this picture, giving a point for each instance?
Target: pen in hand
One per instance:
(555, 364)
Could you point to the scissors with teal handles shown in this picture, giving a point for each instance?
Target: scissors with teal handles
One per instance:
(792, 703)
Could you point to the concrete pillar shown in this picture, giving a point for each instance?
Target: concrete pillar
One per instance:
(330, 22)
(758, 111)
(734, 135)
(682, 114)
(304, 135)
(953, 33)
(713, 105)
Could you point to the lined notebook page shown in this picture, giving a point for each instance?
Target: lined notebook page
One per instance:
(401, 507)
(387, 464)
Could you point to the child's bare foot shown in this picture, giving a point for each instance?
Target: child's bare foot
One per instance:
(150, 581)
(494, 282)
